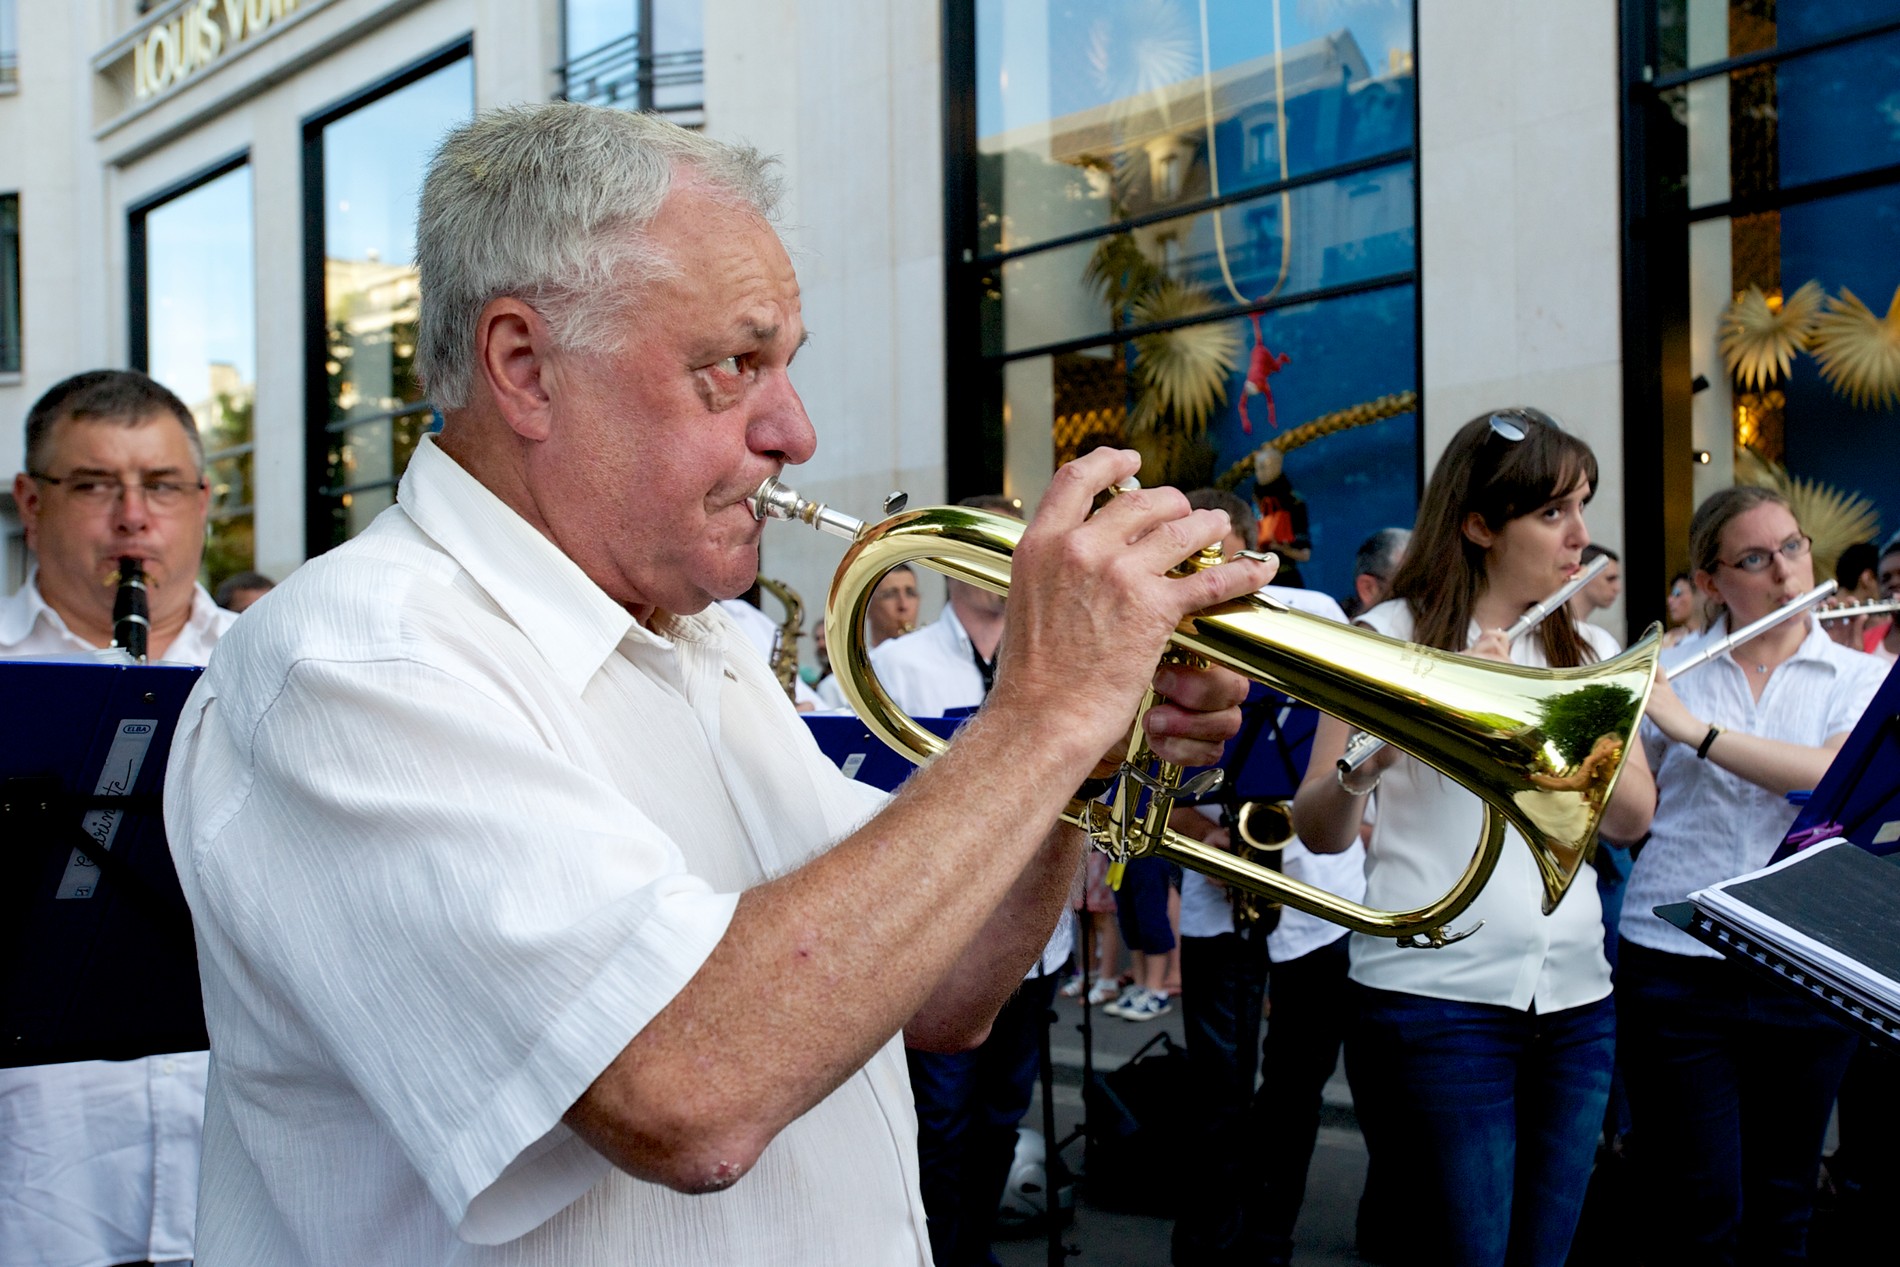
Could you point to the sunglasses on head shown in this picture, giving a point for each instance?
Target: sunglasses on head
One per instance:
(1514, 424)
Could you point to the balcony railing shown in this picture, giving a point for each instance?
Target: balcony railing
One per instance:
(618, 74)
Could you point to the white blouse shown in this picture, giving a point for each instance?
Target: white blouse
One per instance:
(1422, 842)
(1710, 824)
(453, 828)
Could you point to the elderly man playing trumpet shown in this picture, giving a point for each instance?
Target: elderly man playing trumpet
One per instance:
(534, 926)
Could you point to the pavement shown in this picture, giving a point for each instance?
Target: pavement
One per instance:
(1100, 1237)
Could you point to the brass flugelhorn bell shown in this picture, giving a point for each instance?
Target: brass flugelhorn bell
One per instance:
(1541, 748)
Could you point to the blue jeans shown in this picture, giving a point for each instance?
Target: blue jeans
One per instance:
(1730, 1084)
(968, 1106)
(1494, 1112)
(1141, 905)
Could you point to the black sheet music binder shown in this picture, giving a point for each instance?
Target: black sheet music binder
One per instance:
(1825, 921)
(96, 954)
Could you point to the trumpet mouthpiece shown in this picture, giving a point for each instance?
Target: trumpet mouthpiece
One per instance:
(773, 500)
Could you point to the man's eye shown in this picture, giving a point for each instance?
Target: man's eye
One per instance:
(730, 365)
(85, 488)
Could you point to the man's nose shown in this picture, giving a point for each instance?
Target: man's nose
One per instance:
(782, 426)
(132, 510)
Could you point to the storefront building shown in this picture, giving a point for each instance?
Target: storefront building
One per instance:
(1022, 227)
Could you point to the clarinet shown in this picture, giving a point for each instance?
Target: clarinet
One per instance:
(130, 625)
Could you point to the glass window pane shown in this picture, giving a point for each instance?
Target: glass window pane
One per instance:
(1764, 128)
(590, 24)
(1092, 112)
(201, 341)
(9, 283)
(373, 163)
(1701, 32)
(1343, 352)
(1282, 245)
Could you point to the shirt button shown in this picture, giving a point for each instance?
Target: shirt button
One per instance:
(169, 1067)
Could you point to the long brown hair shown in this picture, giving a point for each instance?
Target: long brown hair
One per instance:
(1483, 470)
(1715, 513)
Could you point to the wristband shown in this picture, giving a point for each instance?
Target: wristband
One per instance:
(1340, 775)
(1702, 750)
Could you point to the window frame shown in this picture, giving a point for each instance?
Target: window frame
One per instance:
(319, 499)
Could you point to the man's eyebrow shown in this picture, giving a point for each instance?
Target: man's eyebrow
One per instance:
(96, 472)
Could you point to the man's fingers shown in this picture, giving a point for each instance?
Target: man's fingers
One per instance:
(1071, 493)
(1201, 690)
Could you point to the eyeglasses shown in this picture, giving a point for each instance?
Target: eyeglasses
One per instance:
(1514, 424)
(100, 491)
(1795, 547)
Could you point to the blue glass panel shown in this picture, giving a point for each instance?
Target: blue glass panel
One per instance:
(1852, 241)
(1341, 231)
(1342, 352)
(1088, 113)
(1839, 110)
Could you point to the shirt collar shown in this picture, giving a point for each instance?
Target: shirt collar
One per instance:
(24, 609)
(570, 620)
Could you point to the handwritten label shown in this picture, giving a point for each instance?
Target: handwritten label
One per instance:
(116, 778)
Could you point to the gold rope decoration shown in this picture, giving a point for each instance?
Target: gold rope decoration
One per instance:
(1325, 425)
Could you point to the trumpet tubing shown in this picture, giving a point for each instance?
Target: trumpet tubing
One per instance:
(1541, 748)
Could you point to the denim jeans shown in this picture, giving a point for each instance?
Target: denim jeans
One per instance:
(968, 1106)
(1730, 1082)
(1495, 1114)
(1141, 905)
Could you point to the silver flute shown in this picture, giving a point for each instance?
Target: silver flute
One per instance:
(1872, 607)
(1753, 629)
(1362, 747)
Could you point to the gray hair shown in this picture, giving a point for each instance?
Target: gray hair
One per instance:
(1379, 554)
(125, 397)
(549, 204)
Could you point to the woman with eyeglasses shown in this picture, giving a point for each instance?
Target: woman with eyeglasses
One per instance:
(1683, 608)
(1730, 1082)
(1485, 1065)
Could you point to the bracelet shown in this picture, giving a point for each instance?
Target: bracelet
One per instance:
(1702, 750)
(1339, 774)
(1092, 789)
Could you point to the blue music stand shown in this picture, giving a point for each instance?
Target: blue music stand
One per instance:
(99, 962)
(863, 756)
(1859, 796)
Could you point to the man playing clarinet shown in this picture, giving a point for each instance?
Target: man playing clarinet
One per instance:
(101, 1157)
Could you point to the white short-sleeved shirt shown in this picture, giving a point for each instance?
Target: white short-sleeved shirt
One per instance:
(453, 828)
(929, 672)
(1711, 825)
(99, 1158)
(1426, 830)
(1205, 908)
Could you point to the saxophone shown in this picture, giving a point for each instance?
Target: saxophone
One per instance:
(785, 646)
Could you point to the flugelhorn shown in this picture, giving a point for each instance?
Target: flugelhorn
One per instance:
(1362, 746)
(1541, 748)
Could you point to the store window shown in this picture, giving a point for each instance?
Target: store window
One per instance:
(636, 55)
(1189, 226)
(195, 330)
(1765, 224)
(9, 49)
(9, 283)
(364, 164)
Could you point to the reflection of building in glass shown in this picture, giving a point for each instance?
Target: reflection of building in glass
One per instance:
(225, 421)
(370, 309)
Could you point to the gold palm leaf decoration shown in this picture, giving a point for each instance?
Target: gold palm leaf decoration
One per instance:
(1141, 48)
(1834, 519)
(1859, 353)
(1182, 373)
(1759, 336)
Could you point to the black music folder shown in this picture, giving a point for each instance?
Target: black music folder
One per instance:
(1825, 921)
(96, 954)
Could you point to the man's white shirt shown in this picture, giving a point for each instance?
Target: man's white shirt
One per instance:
(453, 828)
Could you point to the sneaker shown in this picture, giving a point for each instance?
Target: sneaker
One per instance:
(1104, 992)
(1145, 1006)
(1071, 988)
(1129, 993)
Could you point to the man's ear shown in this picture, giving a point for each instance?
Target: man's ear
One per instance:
(1478, 532)
(26, 496)
(512, 348)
